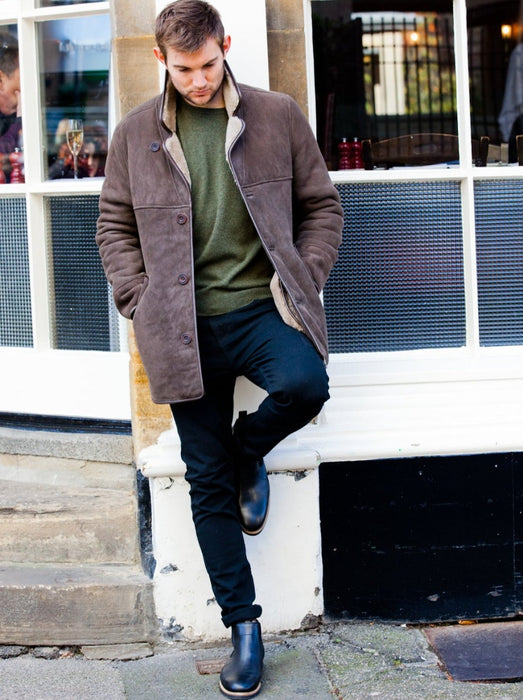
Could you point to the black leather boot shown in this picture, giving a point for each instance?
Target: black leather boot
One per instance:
(252, 484)
(241, 676)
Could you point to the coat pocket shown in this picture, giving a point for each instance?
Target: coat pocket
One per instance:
(127, 296)
(284, 304)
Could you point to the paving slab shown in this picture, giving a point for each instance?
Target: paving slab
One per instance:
(343, 660)
(480, 652)
(291, 670)
(29, 678)
(394, 662)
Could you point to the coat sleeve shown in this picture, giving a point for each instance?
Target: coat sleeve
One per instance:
(317, 212)
(117, 232)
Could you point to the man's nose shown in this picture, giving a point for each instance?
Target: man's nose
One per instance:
(199, 79)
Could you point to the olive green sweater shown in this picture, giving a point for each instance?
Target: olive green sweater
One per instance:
(230, 266)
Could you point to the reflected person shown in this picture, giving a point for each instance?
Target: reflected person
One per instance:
(10, 101)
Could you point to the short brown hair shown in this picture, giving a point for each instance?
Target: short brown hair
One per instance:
(185, 25)
(8, 53)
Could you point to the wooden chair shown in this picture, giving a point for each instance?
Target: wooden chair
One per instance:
(419, 149)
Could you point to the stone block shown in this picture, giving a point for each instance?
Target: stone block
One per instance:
(287, 65)
(75, 605)
(137, 71)
(284, 14)
(131, 18)
(118, 652)
(97, 447)
(78, 473)
(48, 523)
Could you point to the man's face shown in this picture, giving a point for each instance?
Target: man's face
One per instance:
(9, 92)
(198, 76)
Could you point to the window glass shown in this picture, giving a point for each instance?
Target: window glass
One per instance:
(496, 74)
(499, 246)
(16, 324)
(11, 157)
(74, 74)
(398, 283)
(55, 3)
(83, 315)
(382, 73)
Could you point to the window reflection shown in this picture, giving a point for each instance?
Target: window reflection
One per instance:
(384, 74)
(11, 156)
(74, 64)
(54, 3)
(496, 74)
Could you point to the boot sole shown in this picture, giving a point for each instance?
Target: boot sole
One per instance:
(240, 694)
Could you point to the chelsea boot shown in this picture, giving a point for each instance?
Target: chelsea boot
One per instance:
(241, 676)
(252, 484)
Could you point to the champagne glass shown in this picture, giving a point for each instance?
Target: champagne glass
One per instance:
(75, 139)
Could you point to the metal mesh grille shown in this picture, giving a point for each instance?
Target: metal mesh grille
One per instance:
(83, 317)
(15, 297)
(499, 241)
(398, 283)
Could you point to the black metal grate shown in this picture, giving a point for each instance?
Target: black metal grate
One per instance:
(83, 312)
(499, 243)
(16, 328)
(398, 283)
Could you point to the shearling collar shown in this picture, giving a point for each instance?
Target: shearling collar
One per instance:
(231, 95)
(232, 98)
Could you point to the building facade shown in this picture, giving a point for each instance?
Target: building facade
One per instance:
(424, 308)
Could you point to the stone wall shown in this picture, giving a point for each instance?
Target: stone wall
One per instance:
(135, 74)
(286, 42)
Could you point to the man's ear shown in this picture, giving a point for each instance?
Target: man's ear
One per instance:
(226, 44)
(159, 55)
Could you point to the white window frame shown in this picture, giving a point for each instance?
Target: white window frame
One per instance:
(41, 379)
(428, 402)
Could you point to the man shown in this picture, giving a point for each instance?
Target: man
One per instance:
(10, 103)
(218, 228)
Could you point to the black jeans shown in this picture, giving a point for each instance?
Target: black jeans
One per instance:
(254, 342)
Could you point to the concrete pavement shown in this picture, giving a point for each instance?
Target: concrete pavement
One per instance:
(347, 660)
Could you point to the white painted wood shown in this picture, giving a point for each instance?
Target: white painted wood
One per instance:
(65, 383)
(40, 379)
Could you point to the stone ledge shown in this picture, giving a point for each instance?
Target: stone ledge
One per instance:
(163, 459)
(95, 447)
(56, 605)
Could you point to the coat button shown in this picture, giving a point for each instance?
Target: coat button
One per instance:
(181, 219)
(186, 338)
(183, 279)
(155, 146)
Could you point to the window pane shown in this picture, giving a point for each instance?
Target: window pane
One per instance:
(398, 283)
(382, 74)
(84, 317)
(495, 33)
(499, 242)
(54, 3)
(11, 156)
(15, 298)
(74, 64)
